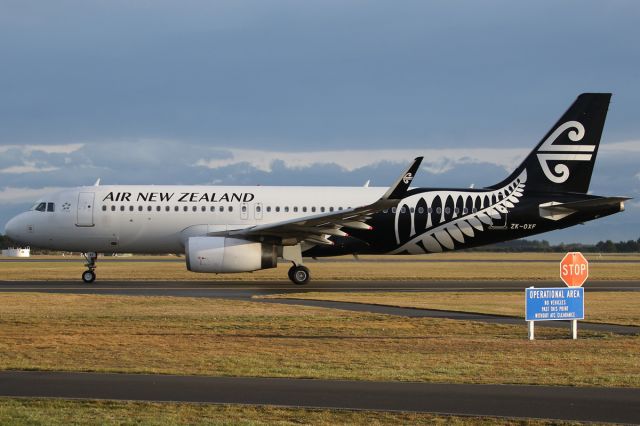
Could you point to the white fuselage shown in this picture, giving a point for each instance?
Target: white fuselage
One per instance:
(159, 219)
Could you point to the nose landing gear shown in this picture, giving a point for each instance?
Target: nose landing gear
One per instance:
(89, 275)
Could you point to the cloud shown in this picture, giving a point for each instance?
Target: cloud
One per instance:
(24, 159)
(11, 195)
(632, 146)
(27, 167)
(436, 161)
(47, 149)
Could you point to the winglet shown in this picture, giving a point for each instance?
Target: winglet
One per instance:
(400, 187)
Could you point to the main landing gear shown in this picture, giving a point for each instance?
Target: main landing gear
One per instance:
(299, 274)
(89, 275)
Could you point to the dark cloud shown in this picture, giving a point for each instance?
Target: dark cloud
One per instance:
(329, 73)
(617, 173)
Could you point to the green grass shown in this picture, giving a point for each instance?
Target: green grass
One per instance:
(168, 335)
(64, 412)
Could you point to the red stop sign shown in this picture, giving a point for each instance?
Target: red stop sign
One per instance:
(574, 269)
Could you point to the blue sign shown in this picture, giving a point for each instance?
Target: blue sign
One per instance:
(552, 304)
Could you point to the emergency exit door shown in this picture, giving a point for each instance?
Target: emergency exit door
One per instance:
(85, 209)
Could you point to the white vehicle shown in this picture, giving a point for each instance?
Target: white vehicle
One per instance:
(224, 229)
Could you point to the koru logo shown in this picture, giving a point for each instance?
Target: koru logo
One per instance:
(560, 171)
(407, 178)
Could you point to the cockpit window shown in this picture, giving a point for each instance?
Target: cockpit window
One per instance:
(44, 207)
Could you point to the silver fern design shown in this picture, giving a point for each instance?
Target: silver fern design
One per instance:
(431, 222)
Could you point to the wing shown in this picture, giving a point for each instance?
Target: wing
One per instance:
(317, 228)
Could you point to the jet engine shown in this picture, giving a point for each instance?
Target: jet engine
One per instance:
(222, 254)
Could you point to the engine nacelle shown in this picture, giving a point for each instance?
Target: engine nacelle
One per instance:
(223, 255)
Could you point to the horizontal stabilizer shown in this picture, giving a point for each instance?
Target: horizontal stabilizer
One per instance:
(557, 211)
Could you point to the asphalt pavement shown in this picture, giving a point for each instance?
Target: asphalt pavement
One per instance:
(545, 402)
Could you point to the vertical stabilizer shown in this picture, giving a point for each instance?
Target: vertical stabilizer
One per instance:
(563, 161)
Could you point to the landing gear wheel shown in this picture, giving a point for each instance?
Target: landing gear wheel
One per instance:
(299, 274)
(88, 276)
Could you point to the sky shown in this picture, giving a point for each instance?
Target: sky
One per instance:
(310, 93)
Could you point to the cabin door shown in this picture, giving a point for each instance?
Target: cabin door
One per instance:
(85, 209)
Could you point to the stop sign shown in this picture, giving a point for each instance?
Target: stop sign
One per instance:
(574, 269)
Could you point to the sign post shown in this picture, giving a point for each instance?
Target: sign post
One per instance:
(553, 304)
(574, 271)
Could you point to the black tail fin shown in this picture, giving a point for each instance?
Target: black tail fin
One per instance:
(563, 160)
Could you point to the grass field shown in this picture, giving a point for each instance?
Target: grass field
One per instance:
(343, 268)
(604, 307)
(62, 412)
(232, 338)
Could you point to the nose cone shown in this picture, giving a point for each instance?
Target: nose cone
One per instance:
(11, 229)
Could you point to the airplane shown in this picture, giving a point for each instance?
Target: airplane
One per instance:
(231, 229)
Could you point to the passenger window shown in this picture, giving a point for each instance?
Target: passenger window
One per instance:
(429, 210)
(113, 208)
(104, 208)
(194, 208)
(121, 208)
(139, 208)
(420, 210)
(412, 209)
(185, 209)
(158, 208)
(313, 209)
(51, 207)
(230, 208)
(339, 208)
(465, 211)
(322, 209)
(295, 209)
(244, 209)
(213, 208)
(148, 208)
(176, 209)
(403, 210)
(304, 209)
(204, 208)
(447, 210)
(278, 209)
(393, 209)
(286, 209)
(438, 210)
(385, 211)
(258, 209)
(330, 209)
(130, 208)
(221, 208)
(456, 210)
(167, 208)
(268, 208)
